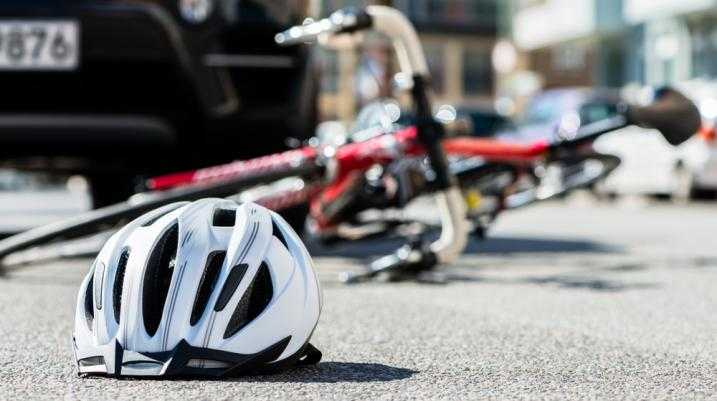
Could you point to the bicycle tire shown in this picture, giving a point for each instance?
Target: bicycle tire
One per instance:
(104, 218)
(603, 165)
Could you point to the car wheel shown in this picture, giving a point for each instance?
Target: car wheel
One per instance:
(684, 185)
(108, 189)
(296, 217)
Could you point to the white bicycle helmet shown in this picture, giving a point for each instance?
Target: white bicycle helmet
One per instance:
(210, 288)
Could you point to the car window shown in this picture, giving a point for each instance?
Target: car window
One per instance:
(484, 123)
(596, 111)
(543, 109)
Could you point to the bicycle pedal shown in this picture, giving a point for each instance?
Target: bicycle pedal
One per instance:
(355, 278)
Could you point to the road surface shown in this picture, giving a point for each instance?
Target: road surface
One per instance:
(564, 301)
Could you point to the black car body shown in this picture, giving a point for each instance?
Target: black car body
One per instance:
(155, 88)
(483, 121)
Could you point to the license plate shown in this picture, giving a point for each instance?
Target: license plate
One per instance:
(39, 45)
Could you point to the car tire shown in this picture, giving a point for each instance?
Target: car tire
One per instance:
(108, 189)
(296, 217)
(684, 185)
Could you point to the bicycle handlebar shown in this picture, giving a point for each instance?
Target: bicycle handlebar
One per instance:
(342, 21)
(382, 19)
(672, 114)
(675, 116)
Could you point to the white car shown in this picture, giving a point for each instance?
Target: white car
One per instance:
(650, 166)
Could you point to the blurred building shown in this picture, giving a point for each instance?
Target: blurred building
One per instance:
(616, 42)
(458, 37)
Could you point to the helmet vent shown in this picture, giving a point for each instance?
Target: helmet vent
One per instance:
(208, 364)
(230, 286)
(89, 307)
(119, 282)
(157, 278)
(215, 260)
(100, 272)
(277, 233)
(224, 217)
(160, 215)
(253, 302)
(92, 361)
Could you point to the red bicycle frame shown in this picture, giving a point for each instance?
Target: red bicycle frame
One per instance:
(354, 157)
(347, 163)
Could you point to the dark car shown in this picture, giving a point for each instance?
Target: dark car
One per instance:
(549, 111)
(463, 120)
(483, 121)
(116, 89)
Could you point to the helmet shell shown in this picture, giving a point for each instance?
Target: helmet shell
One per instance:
(209, 287)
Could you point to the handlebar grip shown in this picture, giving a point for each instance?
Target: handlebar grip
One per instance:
(673, 114)
(350, 19)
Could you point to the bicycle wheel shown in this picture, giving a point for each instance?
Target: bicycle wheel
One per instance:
(559, 177)
(105, 218)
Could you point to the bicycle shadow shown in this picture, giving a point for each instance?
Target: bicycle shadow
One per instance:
(500, 245)
(516, 245)
(559, 281)
(591, 275)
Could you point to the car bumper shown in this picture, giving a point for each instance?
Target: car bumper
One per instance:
(174, 83)
(134, 52)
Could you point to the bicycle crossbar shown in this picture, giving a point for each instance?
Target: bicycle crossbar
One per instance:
(494, 149)
(244, 168)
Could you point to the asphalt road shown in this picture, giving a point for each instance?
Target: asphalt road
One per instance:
(563, 302)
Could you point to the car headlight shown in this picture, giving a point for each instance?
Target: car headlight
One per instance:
(196, 11)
